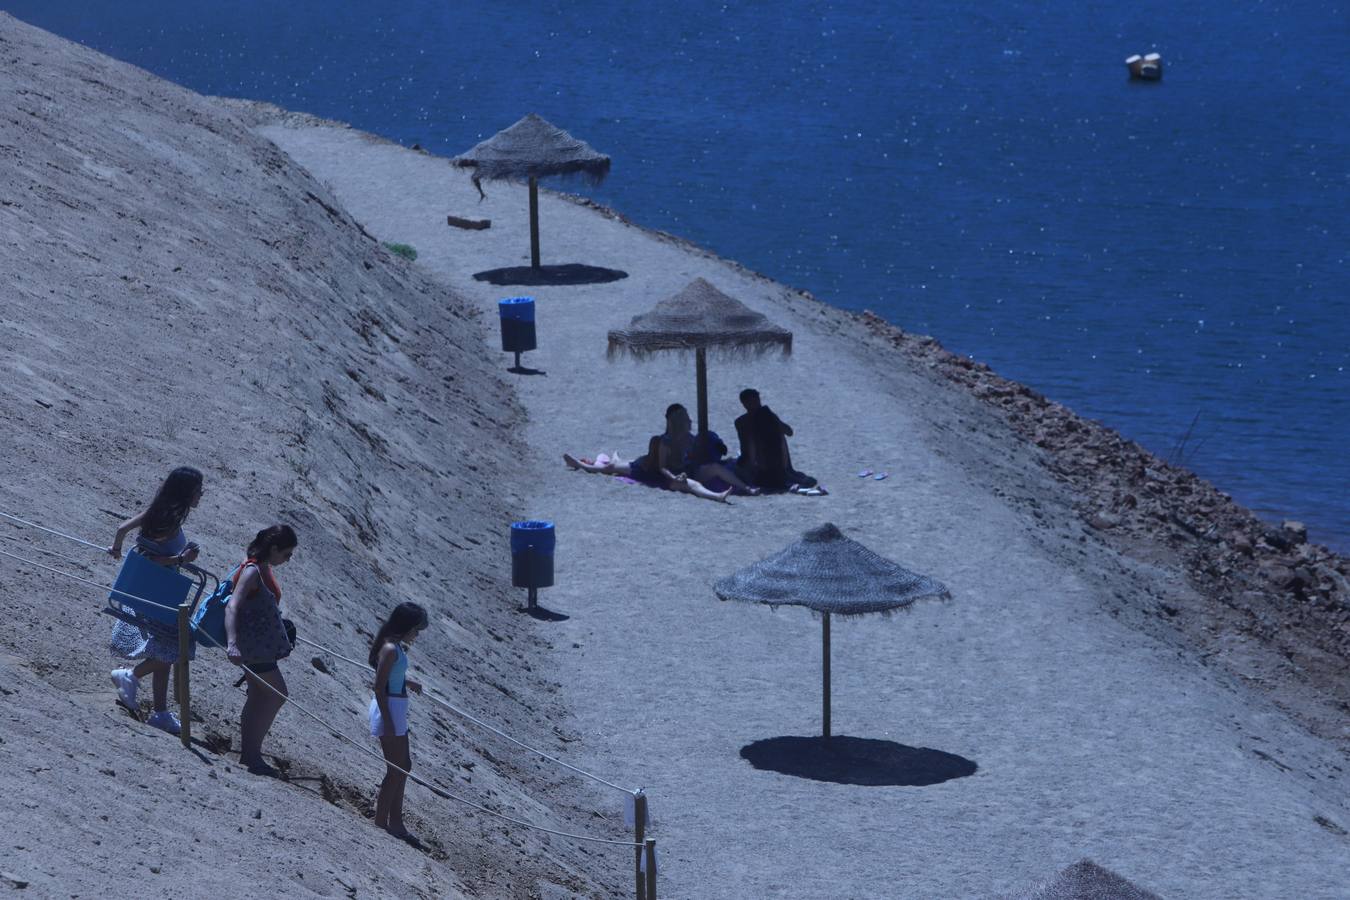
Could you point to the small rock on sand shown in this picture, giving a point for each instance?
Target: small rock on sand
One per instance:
(1103, 521)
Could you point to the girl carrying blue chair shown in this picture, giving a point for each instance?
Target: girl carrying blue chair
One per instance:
(160, 540)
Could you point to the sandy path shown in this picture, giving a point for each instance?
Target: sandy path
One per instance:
(1091, 738)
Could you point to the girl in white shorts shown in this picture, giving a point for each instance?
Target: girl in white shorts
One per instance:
(389, 710)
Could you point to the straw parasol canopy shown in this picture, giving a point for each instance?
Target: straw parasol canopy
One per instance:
(700, 318)
(1085, 880)
(829, 574)
(527, 151)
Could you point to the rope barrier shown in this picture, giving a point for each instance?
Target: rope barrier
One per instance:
(435, 699)
(438, 791)
(479, 722)
(70, 559)
(102, 587)
(69, 537)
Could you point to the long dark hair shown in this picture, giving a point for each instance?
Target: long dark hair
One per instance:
(405, 618)
(172, 503)
(273, 537)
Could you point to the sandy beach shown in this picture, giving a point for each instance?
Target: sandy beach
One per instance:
(202, 280)
(1092, 737)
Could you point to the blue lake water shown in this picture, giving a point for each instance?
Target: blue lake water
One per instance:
(985, 173)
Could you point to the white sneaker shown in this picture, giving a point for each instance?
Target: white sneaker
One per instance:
(164, 721)
(126, 685)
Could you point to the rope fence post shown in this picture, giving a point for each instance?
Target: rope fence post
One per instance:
(639, 833)
(650, 851)
(180, 673)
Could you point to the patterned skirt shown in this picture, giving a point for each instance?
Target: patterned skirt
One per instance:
(148, 640)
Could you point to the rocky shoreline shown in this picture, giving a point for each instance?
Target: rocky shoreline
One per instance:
(1288, 593)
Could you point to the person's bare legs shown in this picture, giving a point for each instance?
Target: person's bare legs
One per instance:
(709, 471)
(160, 681)
(389, 802)
(260, 710)
(615, 466)
(689, 486)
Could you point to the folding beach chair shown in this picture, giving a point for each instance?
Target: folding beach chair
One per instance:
(141, 579)
(151, 596)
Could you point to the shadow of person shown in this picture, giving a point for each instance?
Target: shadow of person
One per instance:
(568, 273)
(525, 370)
(855, 760)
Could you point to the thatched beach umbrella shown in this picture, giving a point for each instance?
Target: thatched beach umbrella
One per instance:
(700, 318)
(833, 575)
(529, 150)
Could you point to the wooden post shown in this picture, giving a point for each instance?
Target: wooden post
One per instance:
(825, 670)
(639, 834)
(534, 223)
(701, 369)
(651, 868)
(180, 671)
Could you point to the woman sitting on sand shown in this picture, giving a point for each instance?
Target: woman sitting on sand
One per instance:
(665, 462)
(161, 540)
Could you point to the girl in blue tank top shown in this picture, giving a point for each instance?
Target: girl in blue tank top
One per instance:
(389, 710)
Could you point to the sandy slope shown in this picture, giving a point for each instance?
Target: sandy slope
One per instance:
(177, 290)
(1096, 731)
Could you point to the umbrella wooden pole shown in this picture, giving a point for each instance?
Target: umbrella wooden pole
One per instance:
(534, 222)
(825, 670)
(701, 370)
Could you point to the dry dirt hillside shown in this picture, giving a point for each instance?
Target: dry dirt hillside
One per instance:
(179, 292)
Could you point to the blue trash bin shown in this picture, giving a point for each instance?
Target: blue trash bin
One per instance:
(517, 314)
(532, 546)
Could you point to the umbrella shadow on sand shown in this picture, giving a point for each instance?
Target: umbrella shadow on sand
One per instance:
(565, 274)
(541, 614)
(854, 760)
